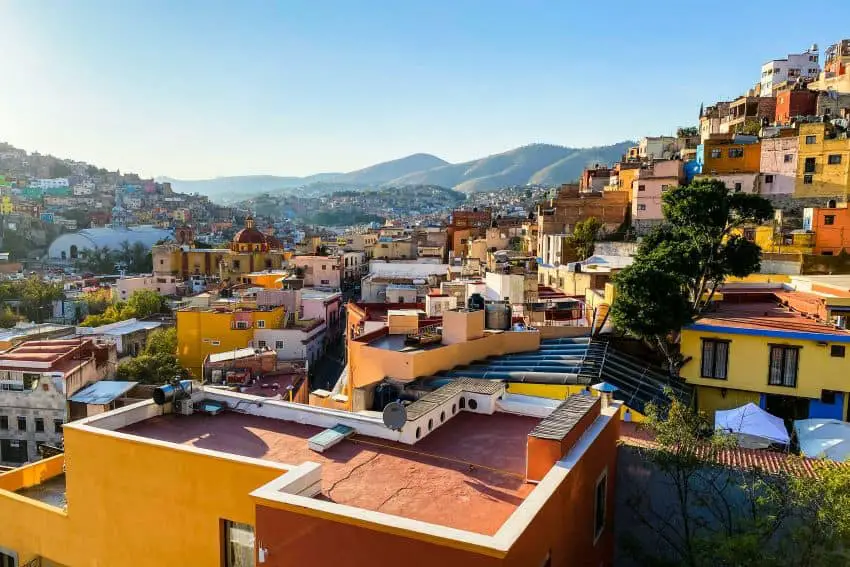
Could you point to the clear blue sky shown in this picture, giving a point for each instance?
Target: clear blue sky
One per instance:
(202, 88)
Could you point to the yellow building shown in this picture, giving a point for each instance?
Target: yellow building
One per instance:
(250, 251)
(770, 240)
(201, 331)
(146, 485)
(776, 348)
(823, 166)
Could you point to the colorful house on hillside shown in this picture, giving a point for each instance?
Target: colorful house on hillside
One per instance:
(831, 228)
(823, 168)
(735, 160)
(782, 349)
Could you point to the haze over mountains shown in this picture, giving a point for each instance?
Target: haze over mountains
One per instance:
(536, 164)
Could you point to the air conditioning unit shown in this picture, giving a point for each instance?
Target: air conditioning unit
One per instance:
(184, 406)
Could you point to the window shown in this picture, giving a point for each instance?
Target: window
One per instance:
(236, 264)
(736, 152)
(738, 187)
(834, 159)
(600, 503)
(22, 423)
(837, 351)
(788, 158)
(664, 188)
(807, 180)
(783, 366)
(57, 426)
(641, 187)
(715, 359)
(261, 344)
(326, 282)
(4, 422)
(829, 219)
(809, 166)
(238, 544)
(641, 207)
(811, 139)
(261, 324)
(716, 153)
(768, 178)
(39, 425)
(278, 345)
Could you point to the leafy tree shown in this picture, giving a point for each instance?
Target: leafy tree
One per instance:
(145, 303)
(584, 236)
(157, 364)
(162, 341)
(97, 301)
(142, 303)
(719, 514)
(8, 318)
(99, 260)
(37, 298)
(679, 265)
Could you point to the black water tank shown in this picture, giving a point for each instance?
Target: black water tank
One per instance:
(475, 302)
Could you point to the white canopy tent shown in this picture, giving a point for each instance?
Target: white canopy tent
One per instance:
(754, 427)
(828, 438)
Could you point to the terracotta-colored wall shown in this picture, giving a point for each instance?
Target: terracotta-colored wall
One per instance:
(564, 526)
(294, 540)
(831, 237)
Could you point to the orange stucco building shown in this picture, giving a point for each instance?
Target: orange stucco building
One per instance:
(831, 228)
(723, 155)
(467, 476)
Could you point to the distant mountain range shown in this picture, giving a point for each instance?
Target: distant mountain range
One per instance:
(542, 164)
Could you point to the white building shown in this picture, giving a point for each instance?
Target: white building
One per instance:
(69, 246)
(49, 183)
(796, 65)
(84, 188)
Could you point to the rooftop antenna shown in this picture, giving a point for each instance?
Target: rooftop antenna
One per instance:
(395, 415)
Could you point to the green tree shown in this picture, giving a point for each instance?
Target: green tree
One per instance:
(97, 301)
(37, 298)
(162, 341)
(584, 237)
(719, 514)
(679, 265)
(99, 260)
(157, 364)
(8, 318)
(145, 303)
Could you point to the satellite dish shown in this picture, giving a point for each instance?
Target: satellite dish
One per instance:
(395, 416)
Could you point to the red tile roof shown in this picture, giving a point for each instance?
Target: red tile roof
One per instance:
(772, 462)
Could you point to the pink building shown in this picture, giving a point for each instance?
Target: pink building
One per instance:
(648, 186)
(778, 165)
(320, 271)
(163, 285)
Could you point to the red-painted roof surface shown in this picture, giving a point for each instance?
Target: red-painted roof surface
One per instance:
(766, 315)
(468, 474)
(769, 461)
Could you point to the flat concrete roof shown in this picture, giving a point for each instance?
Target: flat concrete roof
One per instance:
(468, 474)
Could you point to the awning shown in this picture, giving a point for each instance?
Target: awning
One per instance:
(753, 426)
(103, 392)
(828, 438)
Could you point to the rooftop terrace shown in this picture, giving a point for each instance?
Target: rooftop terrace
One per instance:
(468, 474)
(766, 316)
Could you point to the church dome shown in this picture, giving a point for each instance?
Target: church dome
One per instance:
(249, 234)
